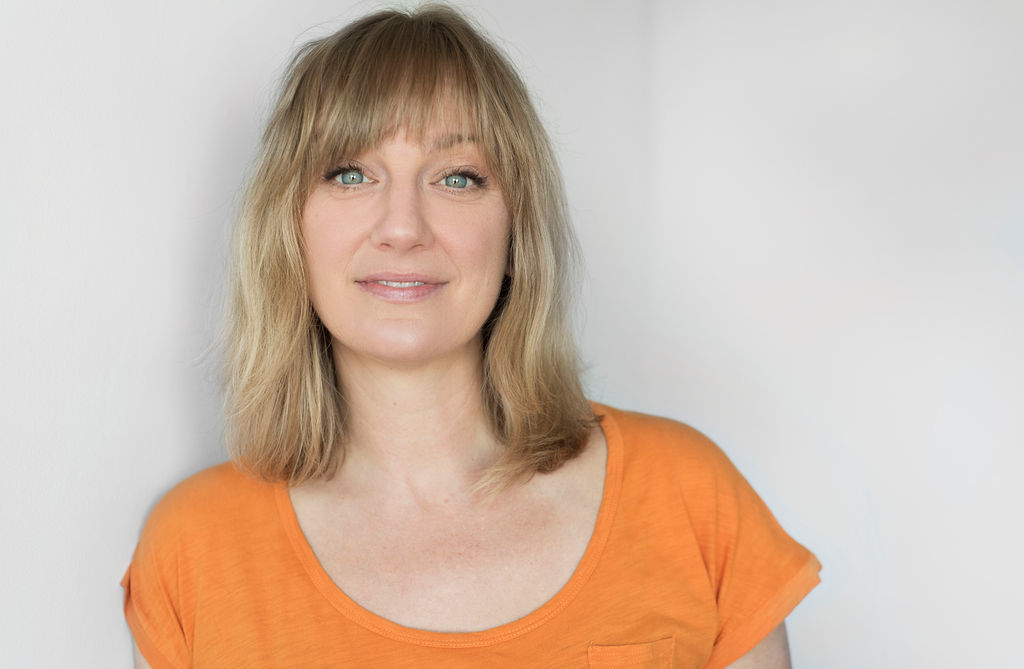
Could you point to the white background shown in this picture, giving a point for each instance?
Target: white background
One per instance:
(804, 230)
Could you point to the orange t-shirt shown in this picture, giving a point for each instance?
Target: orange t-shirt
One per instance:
(686, 568)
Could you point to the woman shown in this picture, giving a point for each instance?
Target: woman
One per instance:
(417, 479)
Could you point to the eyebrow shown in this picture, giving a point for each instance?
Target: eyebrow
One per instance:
(449, 140)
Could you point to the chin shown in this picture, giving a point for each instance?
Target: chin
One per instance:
(405, 346)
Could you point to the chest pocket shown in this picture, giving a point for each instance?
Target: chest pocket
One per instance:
(651, 655)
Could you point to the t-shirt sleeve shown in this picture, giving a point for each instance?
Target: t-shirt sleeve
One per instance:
(153, 604)
(758, 571)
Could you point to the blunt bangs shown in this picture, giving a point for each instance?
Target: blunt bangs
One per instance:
(387, 73)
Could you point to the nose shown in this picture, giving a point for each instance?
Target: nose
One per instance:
(402, 222)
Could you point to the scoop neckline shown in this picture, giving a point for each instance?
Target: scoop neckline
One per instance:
(380, 625)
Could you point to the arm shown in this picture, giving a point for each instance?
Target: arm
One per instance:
(140, 662)
(771, 653)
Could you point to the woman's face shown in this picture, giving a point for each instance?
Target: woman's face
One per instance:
(406, 248)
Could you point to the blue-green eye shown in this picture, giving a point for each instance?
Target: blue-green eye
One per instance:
(456, 181)
(350, 177)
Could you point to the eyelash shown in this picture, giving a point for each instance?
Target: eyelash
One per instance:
(330, 175)
(477, 180)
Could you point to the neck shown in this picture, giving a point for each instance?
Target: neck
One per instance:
(421, 430)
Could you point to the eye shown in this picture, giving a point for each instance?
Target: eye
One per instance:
(464, 179)
(350, 177)
(456, 181)
(347, 174)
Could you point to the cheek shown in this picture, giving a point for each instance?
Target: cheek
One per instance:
(319, 228)
(489, 259)
(328, 247)
(476, 239)
(494, 247)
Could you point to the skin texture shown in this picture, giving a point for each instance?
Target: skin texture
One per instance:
(140, 662)
(411, 369)
(404, 219)
(771, 653)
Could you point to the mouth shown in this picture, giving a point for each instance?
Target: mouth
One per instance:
(400, 279)
(400, 288)
(398, 284)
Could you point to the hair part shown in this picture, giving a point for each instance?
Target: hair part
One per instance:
(341, 95)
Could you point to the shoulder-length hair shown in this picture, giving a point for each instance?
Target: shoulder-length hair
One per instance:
(287, 414)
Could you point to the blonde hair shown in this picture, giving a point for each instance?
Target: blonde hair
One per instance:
(346, 93)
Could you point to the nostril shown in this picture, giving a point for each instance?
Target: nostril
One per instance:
(402, 227)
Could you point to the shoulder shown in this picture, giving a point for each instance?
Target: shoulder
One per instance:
(211, 489)
(674, 465)
(681, 488)
(660, 440)
(219, 496)
(195, 546)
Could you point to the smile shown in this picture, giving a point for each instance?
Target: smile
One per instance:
(399, 289)
(400, 284)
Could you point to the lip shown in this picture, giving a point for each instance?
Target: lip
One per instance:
(421, 286)
(400, 277)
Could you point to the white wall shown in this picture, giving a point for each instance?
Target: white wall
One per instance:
(804, 228)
